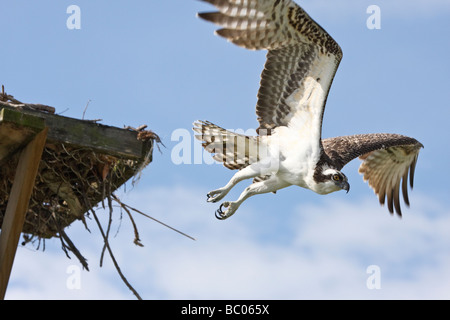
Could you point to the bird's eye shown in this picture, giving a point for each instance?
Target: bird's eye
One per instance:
(336, 177)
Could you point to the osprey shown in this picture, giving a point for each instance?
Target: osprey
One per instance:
(302, 60)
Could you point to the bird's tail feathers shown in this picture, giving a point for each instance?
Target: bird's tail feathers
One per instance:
(235, 151)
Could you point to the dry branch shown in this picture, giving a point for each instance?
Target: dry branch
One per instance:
(10, 101)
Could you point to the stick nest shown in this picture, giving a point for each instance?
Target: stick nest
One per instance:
(69, 183)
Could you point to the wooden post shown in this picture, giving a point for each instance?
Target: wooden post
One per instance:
(18, 205)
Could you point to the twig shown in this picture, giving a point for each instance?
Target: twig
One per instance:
(33, 106)
(9, 101)
(70, 245)
(66, 243)
(123, 205)
(109, 220)
(140, 128)
(85, 108)
(93, 120)
(137, 240)
(145, 135)
(88, 205)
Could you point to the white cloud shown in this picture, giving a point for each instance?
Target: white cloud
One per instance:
(44, 275)
(323, 253)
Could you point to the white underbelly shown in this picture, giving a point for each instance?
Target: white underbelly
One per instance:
(294, 155)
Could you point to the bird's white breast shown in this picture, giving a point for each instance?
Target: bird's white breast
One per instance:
(295, 155)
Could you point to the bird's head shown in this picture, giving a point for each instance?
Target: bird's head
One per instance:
(331, 180)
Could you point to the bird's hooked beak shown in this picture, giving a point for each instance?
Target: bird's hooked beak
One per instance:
(345, 186)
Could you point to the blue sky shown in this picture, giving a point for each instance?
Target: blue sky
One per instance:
(155, 63)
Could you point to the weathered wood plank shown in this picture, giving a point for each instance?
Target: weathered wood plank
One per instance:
(16, 130)
(18, 205)
(102, 138)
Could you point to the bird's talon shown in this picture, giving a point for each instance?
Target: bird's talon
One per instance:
(214, 196)
(220, 214)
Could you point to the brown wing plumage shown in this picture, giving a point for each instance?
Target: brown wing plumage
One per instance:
(388, 160)
(298, 50)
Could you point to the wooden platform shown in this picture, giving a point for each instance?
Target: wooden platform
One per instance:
(72, 132)
(53, 169)
(16, 130)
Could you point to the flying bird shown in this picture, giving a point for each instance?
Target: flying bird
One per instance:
(288, 150)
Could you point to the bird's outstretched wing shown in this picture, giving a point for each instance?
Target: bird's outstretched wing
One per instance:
(302, 58)
(388, 160)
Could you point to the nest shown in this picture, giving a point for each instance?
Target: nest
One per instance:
(69, 183)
